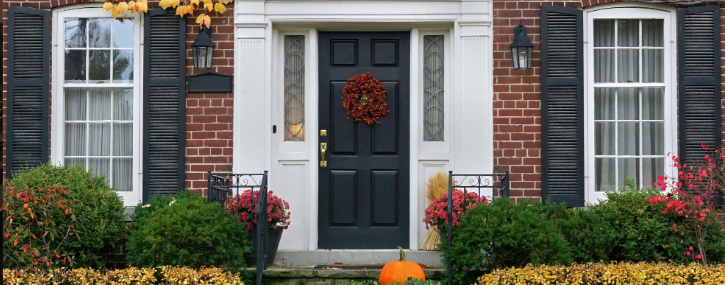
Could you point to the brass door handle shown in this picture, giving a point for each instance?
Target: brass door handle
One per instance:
(323, 149)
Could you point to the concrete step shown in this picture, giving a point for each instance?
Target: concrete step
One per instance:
(329, 275)
(303, 258)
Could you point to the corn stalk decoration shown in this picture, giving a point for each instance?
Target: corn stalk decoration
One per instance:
(121, 8)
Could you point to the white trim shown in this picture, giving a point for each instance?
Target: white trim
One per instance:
(630, 11)
(259, 28)
(93, 10)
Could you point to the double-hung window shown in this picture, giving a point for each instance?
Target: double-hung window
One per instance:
(630, 98)
(96, 98)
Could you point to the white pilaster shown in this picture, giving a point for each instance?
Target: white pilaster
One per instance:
(473, 100)
(251, 88)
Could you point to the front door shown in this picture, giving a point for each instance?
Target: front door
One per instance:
(364, 190)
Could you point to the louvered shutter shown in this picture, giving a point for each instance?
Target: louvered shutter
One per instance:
(562, 106)
(28, 88)
(164, 103)
(700, 111)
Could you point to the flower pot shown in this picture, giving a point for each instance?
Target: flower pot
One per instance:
(273, 238)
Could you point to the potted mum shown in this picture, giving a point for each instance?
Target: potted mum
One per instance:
(278, 216)
(436, 214)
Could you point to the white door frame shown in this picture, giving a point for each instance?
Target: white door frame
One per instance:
(260, 26)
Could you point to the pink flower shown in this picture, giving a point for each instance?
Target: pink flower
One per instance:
(698, 256)
(690, 248)
(674, 226)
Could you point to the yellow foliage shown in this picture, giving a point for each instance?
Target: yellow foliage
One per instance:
(145, 276)
(209, 6)
(120, 7)
(220, 8)
(615, 273)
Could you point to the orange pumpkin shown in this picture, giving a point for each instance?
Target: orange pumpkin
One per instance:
(399, 271)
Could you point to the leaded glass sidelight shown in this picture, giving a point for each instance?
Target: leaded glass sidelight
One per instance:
(294, 88)
(433, 66)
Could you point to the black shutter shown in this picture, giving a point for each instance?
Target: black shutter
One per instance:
(562, 106)
(698, 37)
(28, 88)
(164, 103)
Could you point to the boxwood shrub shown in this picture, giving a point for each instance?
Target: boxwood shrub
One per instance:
(185, 230)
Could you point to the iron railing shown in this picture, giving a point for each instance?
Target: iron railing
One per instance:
(224, 188)
(498, 184)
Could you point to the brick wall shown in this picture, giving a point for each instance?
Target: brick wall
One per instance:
(517, 94)
(208, 115)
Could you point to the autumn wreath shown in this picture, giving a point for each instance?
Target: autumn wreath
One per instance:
(364, 98)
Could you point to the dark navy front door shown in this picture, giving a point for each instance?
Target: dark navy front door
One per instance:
(364, 190)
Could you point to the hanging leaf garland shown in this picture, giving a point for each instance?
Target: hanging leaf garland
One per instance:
(364, 99)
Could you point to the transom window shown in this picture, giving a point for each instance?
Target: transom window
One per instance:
(98, 92)
(629, 93)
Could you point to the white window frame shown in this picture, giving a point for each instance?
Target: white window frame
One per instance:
(442, 148)
(629, 11)
(130, 198)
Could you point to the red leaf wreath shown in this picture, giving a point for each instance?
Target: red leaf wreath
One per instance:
(376, 104)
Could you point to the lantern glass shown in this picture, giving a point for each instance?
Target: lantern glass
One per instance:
(203, 57)
(521, 57)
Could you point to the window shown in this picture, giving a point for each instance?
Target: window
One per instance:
(629, 97)
(97, 93)
(294, 88)
(433, 67)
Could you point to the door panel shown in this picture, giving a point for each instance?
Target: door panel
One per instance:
(364, 190)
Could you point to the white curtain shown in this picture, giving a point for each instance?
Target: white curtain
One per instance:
(629, 121)
(99, 132)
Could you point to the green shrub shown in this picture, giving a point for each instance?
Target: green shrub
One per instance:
(185, 230)
(645, 234)
(505, 234)
(98, 210)
(591, 237)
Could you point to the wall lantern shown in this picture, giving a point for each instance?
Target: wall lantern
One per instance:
(521, 49)
(203, 49)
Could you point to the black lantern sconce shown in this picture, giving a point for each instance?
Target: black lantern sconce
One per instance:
(203, 49)
(521, 49)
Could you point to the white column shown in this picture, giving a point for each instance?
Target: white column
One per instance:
(473, 99)
(251, 88)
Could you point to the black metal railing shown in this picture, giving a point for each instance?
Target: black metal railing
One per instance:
(225, 188)
(499, 185)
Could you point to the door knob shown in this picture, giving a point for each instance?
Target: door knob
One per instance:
(323, 149)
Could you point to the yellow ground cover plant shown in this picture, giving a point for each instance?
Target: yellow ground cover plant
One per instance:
(615, 273)
(136, 276)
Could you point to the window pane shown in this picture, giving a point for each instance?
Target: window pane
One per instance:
(75, 104)
(99, 139)
(628, 103)
(99, 166)
(123, 103)
(603, 65)
(653, 106)
(122, 174)
(75, 161)
(604, 103)
(653, 66)
(100, 104)
(651, 169)
(99, 32)
(603, 33)
(627, 33)
(75, 66)
(627, 138)
(100, 69)
(653, 33)
(123, 33)
(75, 139)
(75, 32)
(627, 65)
(123, 139)
(606, 180)
(628, 169)
(433, 68)
(653, 138)
(294, 88)
(604, 138)
(123, 66)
